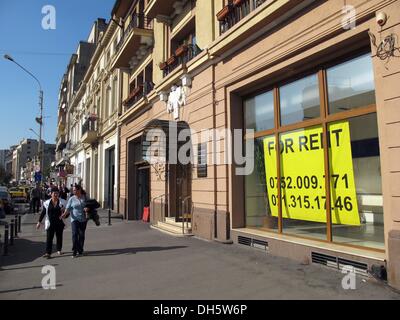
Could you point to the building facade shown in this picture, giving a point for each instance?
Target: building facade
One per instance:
(9, 160)
(287, 112)
(3, 154)
(23, 153)
(70, 158)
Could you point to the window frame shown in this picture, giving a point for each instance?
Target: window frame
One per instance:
(324, 120)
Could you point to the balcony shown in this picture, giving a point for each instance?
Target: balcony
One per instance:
(138, 35)
(161, 7)
(235, 11)
(138, 93)
(89, 131)
(181, 56)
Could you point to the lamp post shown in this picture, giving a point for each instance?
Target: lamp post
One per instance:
(39, 120)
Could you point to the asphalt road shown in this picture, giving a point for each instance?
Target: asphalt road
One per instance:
(131, 261)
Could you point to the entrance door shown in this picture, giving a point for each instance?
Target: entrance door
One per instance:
(183, 191)
(142, 191)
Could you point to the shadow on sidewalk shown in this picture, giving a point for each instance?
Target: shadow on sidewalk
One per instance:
(115, 252)
(23, 251)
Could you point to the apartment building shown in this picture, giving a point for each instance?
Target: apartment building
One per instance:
(310, 89)
(3, 154)
(291, 71)
(102, 99)
(9, 160)
(70, 159)
(23, 153)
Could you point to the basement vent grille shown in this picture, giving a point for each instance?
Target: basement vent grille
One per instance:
(254, 243)
(339, 263)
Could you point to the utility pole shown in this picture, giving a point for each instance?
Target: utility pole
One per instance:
(39, 120)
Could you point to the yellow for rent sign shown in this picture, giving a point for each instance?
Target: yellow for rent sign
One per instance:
(303, 175)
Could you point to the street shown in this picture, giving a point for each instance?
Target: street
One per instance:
(129, 260)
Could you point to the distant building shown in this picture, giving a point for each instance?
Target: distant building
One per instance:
(8, 160)
(23, 153)
(3, 154)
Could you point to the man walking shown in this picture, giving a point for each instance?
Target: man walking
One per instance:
(36, 196)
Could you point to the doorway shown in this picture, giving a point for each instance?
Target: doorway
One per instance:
(142, 190)
(138, 181)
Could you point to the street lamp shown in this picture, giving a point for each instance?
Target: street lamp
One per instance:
(30, 129)
(39, 120)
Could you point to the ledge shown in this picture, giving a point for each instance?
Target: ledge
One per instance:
(363, 253)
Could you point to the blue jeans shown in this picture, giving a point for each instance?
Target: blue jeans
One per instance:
(78, 236)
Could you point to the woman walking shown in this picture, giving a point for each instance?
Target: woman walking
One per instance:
(76, 207)
(53, 209)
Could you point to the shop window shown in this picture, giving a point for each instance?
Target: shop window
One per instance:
(357, 184)
(294, 192)
(259, 200)
(351, 85)
(302, 182)
(300, 100)
(259, 112)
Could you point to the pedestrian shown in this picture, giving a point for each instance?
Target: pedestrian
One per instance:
(48, 191)
(53, 209)
(64, 192)
(76, 208)
(71, 191)
(36, 195)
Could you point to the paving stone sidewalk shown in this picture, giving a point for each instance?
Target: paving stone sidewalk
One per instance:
(129, 260)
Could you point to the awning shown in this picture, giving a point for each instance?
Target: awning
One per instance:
(62, 162)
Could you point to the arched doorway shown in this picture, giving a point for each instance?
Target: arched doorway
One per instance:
(173, 187)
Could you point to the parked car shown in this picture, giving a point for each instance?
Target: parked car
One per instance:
(16, 192)
(6, 202)
(20, 205)
(26, 190)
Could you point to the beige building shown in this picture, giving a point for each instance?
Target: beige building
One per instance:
(314, 83)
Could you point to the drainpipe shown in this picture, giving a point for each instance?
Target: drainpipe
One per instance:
(214, 165)
(119, 141)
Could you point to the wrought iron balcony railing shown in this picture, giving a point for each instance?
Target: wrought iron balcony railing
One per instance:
(138, 93)
(89, 126)
(139, 21)
(181, 56)
(235, 11)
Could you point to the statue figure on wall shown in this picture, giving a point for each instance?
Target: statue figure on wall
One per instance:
(176, 100)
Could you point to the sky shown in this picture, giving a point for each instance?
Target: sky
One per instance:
(45, 53)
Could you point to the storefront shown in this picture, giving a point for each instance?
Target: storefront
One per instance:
(324, 187)
(322, 119)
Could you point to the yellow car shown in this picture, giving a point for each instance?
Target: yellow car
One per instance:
(27, 191)
(17, 192)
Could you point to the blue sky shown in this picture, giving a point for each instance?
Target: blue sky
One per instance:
(43, 52)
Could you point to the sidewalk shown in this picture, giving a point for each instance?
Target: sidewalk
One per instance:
(129, 260)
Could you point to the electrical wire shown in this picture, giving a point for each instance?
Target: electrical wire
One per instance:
(34, 53)
(387, 48)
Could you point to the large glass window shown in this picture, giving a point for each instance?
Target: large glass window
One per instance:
(356, 183)
(351, 85)
(350, 146)
(303, 183)
(260, 212)
(259, 112)
(300, 100)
